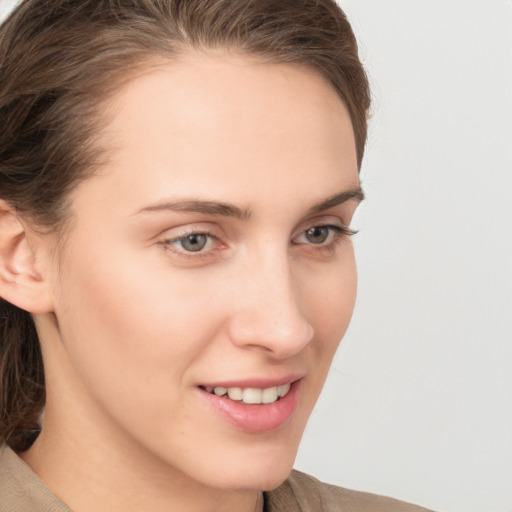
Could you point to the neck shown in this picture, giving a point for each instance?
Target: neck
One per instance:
(92, 464)
(88, 476)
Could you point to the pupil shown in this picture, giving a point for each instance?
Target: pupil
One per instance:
(317, 235)
(194, 243)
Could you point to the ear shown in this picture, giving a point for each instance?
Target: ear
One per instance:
(21, 281)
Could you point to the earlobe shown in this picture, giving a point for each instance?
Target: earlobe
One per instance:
(21, 282)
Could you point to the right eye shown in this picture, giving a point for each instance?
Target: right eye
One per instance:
(191, 243)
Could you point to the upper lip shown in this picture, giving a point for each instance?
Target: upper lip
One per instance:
(254, 382)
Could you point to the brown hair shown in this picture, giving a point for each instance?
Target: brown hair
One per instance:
(60, 60)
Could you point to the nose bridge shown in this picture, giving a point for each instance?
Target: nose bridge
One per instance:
(269, 313)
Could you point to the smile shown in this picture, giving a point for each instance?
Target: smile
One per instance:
(251, 395)
(251, 406)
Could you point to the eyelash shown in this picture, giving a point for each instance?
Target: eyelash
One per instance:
(169, 244)
(337, 234)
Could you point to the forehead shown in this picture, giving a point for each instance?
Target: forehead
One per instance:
(224, 123)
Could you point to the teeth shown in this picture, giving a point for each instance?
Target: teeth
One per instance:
(283, 390)
(269, 395)
(235, 393)
(252, 395)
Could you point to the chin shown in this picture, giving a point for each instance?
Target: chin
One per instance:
(263, 467)
(254, 478)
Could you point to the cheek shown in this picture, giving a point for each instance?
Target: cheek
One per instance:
(128, 330)
(332, 299)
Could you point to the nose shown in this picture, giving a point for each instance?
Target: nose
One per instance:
(267, 310)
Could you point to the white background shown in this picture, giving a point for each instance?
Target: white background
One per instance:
(418, 404)
(419, 401)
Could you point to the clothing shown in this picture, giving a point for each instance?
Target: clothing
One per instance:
(303, 493)
(21, 490)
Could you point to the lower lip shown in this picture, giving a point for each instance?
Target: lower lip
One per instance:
(255, 418)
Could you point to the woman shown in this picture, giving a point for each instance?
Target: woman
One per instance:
(177, 184)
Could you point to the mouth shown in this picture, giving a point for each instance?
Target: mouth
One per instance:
(253, 406)
(249, 395)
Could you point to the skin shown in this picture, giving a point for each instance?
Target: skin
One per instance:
(132, 323)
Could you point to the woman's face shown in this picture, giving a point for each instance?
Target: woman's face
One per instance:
(209, 256)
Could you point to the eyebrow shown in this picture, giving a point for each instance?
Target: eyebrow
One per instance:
(199, 206)
(356, 194)
(229, 210)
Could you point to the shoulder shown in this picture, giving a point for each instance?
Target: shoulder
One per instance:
(21, 489)
(304, 493)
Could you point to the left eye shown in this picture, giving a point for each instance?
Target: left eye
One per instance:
(195, 242)
(317, 234)
(321, 235)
